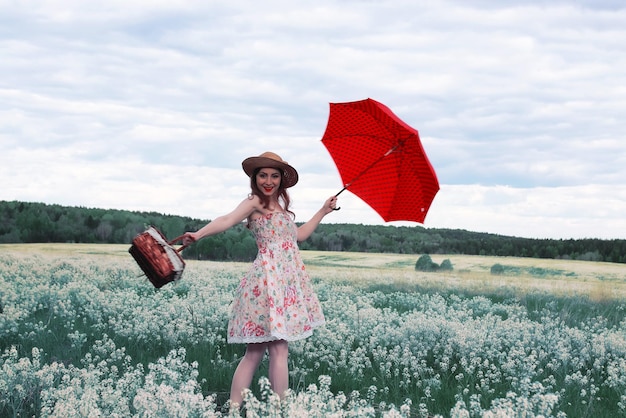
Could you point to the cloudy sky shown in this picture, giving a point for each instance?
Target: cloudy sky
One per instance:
(152, 105)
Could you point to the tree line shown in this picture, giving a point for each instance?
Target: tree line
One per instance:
(27, 222)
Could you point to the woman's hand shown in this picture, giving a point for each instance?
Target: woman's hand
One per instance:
(189, 238)
(330, 205)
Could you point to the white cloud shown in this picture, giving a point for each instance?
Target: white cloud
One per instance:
(590, 211)
(519, 104)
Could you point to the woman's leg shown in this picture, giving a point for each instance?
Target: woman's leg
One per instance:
(245, 371)
(279, 367)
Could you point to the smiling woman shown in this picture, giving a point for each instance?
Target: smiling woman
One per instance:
(275, 302)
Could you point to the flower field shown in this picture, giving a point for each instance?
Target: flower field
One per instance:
(82, 334)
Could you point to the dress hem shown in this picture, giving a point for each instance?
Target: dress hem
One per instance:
(273, 337)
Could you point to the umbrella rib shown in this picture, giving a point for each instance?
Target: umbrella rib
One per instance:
(392, 149)
(379, 120)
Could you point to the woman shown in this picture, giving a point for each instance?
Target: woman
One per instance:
(274, 303)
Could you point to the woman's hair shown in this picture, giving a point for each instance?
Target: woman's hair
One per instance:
(265, 200)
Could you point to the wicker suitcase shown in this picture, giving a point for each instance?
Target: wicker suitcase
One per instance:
(156, 257)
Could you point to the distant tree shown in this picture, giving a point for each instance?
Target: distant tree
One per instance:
(39, 222)
(244, 250)
(104, 231)
(590, 256)
(91, 222)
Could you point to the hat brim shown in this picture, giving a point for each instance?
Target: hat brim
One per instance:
(290, 175)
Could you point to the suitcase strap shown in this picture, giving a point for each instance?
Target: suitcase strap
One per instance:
(175, 240)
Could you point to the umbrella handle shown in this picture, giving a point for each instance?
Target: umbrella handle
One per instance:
(340, 191)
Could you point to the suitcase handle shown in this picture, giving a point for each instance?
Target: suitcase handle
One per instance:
(175, 240)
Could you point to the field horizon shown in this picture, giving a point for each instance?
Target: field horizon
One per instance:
(596, 280)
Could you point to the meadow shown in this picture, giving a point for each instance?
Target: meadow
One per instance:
(83, 334)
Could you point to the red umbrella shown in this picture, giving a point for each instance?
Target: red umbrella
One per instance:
(381, 160)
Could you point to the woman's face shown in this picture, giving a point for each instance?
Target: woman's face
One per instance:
(268, 180)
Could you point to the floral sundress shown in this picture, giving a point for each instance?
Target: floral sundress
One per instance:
(275, 299)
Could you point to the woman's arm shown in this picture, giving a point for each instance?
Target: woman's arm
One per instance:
(305, 230)
(224, 222)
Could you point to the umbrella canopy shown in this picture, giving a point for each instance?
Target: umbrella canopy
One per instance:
(381, 160)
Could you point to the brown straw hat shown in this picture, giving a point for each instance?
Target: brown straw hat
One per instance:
(271, 160)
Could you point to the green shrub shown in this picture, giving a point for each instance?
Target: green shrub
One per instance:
(497, 269)
(425, 263)
(446, 265)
